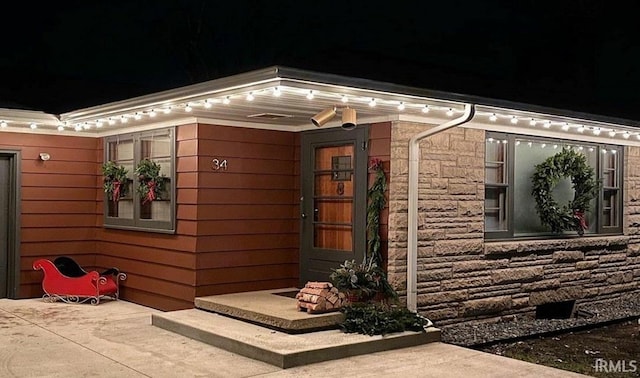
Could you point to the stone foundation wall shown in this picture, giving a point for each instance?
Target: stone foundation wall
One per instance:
(460, 277)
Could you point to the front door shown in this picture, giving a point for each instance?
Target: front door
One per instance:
(4, 225)
(333, 201)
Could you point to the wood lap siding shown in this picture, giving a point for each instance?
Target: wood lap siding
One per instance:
(58, 201)
(380, 147)
(246, 219)
(160, 268)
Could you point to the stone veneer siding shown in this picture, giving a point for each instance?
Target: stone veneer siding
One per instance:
(460, 277)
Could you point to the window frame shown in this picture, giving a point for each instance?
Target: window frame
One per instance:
(137, 223)
(508, 234)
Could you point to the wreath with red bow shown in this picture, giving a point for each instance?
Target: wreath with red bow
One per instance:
(114, 181)
(567, 163)
(151, 183)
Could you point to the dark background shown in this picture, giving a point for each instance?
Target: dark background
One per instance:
(575, 55)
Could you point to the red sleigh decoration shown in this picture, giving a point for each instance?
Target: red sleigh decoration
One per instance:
(65, 280)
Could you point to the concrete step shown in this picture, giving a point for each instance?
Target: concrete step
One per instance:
(278, 348)
(274, 309)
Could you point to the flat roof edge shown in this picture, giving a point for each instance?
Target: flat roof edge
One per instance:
(275, 73)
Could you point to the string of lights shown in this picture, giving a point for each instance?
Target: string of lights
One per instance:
(422, 106)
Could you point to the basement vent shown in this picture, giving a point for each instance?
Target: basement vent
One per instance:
(269, 116)
(555, 310)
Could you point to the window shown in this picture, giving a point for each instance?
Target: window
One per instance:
(132, 211)
(510, 161)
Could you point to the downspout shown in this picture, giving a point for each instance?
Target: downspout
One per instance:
(412, 234)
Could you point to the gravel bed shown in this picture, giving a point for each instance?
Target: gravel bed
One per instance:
(523, 327)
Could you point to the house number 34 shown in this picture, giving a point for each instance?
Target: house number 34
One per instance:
(219, 164)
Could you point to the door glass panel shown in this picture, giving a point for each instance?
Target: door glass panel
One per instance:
(333, 198)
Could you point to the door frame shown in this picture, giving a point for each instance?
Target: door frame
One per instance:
(326, 137)
(13, 224)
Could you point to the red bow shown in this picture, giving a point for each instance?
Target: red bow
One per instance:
(581, 218)
(115, 195)
(151, 194)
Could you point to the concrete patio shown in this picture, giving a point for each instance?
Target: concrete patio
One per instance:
(116, 339)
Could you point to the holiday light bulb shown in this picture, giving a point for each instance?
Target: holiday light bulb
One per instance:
(514, 120)
(401, 106)
(493, 117)
(310, 95)
(426, 109)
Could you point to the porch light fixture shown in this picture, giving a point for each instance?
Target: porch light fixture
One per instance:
(348, 117)
(44, 156)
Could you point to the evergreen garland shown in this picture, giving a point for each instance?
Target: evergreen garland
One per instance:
(376, 202)
(566, 163)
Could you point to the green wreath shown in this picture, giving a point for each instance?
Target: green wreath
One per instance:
(567, 163)
(150, 183)
(114, 181)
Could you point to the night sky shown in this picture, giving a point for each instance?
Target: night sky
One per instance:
(575, 55)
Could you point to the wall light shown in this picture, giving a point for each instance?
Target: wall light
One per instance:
(323, 117)
(44, 156)
(348, 117)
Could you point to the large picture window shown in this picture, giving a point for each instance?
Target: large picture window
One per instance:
(134, 210)
(510, 210)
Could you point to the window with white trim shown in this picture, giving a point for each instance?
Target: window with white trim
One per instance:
(509, 207)
(134, 210)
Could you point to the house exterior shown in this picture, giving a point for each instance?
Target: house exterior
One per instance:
(257, 197)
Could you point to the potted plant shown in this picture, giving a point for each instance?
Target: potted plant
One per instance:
(361, 281)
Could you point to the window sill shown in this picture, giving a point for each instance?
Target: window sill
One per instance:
(542, 245)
